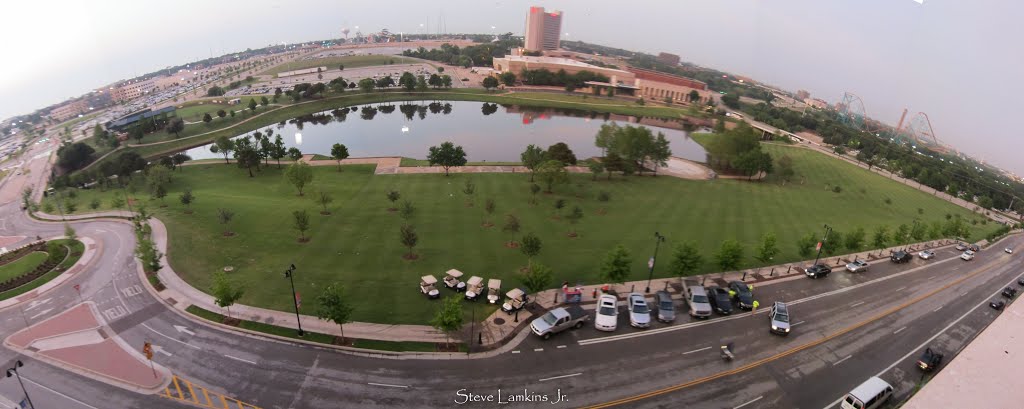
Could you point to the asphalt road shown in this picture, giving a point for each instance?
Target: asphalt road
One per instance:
(847, 327)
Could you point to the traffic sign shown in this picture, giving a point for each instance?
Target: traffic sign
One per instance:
(298, 300)
(818, 247)
(650, 263)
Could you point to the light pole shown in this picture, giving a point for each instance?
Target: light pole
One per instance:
(658, 239)
(822, 244)
(14, 370)
(290, 272)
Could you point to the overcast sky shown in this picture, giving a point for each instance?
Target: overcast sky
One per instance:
(958, 61)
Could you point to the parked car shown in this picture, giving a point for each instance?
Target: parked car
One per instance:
(961, 247)
(743, 294)
(818, 271)
(696, 298)
(929, 360)
(967, 256)
(666, 307)
(720, 301)
(926, 255)
(1009, 292)
(857, 266)
(558, 320)
(901, 257)
(1021, 281)
(778, 316)
(997, 304)
(1008, 250)
(639, 313)
(974, 248)
(872, 394)
(607, 318)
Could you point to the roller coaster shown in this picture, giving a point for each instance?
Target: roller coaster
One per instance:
(917, 130)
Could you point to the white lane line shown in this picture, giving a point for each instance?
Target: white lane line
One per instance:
(929, 340)
(515, 352)
(801, 322)
(240, 359)
(388, 385)
(841, 360)
(538, 349)
(937, 309)
(560, 346)
(899, 288)
(58, 393)
(900, 330)
(561, 376)
(745, 404)
(697, 350)
(172, 339)
(931, 277)
(40, 314)
(856, 303)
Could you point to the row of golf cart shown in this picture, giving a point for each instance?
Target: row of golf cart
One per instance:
(472, 289)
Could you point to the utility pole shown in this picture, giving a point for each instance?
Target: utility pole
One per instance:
(18, 364)
(821, 244)
(289, 273)
(658, 239)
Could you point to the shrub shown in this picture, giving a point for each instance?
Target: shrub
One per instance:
(604, 196)
(837, 189)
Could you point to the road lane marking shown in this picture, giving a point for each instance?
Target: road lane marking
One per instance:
(856, 303)
(841, 360)
(240, 359)
(791, 351)
(899, 289)
(560, 346)
(899, 330)
(388, 385)
(58, 393)
(515, 352)
(931, 277)
(561, 376)
(697, 350)
(42, 313)
(538, 349)
(801, 322)
(35, 304)
(745, 404)
(172, 339)
(937, 309)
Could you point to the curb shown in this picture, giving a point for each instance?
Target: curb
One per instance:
(58, 281)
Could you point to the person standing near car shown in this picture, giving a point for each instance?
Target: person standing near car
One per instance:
(754, 307)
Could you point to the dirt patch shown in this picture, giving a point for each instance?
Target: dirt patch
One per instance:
(487, 224)
(228, 234)
(231, 321)
(443, 347)
(392, 209)
(602, 211)
(410, 256)
(571, 235)
(511, 244)
(345, 342)
(302, 239)
(188, 212)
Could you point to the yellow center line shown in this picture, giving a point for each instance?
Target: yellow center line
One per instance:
(784, 353)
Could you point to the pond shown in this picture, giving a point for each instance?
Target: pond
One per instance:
(487, 132)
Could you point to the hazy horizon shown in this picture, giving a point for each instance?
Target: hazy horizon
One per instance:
(944, 58)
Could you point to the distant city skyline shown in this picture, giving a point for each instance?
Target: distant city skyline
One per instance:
(945, 58)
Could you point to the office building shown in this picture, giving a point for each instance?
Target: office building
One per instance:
(670, 59)
(543, 29)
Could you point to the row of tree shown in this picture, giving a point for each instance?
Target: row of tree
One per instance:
(630, 149)
(739, 151)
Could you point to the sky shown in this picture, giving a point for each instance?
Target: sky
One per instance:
(954, 60)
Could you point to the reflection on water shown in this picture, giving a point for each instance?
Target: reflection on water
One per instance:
(485, 134)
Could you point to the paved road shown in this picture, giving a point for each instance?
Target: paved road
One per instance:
(838, 340)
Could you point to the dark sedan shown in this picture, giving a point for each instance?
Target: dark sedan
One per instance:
(743, 295)
(901, 257)
(1021, 282)
(720, 301)
(930, 360)
(997, 304)
(1009, 292)
(817, 271)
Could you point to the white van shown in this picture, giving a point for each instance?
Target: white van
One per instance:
(869, 395)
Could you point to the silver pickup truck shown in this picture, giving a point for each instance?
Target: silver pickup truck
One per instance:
(558, 320)
(696, 298)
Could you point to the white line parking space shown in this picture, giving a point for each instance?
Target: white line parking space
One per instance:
(752, 401)
(841, 360)
(560, 377)
(388, 385)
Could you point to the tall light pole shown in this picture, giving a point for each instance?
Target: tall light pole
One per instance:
(14, 370)
(658, 239)
(821, 245)
(289, 273)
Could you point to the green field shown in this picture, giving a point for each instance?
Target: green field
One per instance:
(194, 113)
(358, 245)
(21, 266)
(76, 249)
(332, 63)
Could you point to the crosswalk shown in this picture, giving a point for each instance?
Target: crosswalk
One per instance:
(185, 391)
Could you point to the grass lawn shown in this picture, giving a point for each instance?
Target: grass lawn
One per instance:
(76, 249)
(22, 265)
(195, 113)
(332, 63)
(358, 245)
(406, 162)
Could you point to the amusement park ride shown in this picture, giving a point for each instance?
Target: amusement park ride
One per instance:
(918, 129)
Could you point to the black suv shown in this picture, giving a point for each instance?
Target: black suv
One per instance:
(901, 257)
(817, 271)
(720, 301)
(929, 360)
(1009, 292)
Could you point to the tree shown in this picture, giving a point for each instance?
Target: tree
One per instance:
(74, 156)
(407, 81)
(902, 234)
(207, 118)
(552, 172)
(489, 207)
(694, 96)
(179, 158)
(186, 199)
(530, 245)
(160, 192)
(215, 91)
(489, 83)
(225, 294)
(393, 196)
(299, 174)
(294, 153)
(69, 232)
(333, 306)
(421, 84)
(574, 217)
(252, 104)
(918, 231)
(407, 211)
(508, 78)
(729, 255)
(26, 197)
(225, 216)
(225, 145)
(596, 168)
(447, 155)
(409, 238)
(385, 82)
(339, 152)
(157, 177)
(278, 150)
(537, 277)
(434, 80)
(117, 202)
(615, 267)
(768, 249)
(301, 223)
(881, 238)
(686, 259)
(324, 199)
(659, 152)
(264, 101)
(806, 245)
(985, 202)
(222, 113)
(448, 318)
(785, 168)
(446, 80)
(561, 152)
(511, 226)
(175, 126)
(266, 147)
(367, 84)
(532, 157)
(94, 204)
(247, 155)
(731, 100)
(855, 239)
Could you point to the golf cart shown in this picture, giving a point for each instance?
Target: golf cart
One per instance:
(474, 286)
(451, 280)
(427, 286)
(516, 300)
(493, 290)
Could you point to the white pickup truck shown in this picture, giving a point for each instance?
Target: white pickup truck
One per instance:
(696, 298)
(558, 320)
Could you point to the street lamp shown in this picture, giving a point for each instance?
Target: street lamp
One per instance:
(14, 370)
(658, 239)
(821, 245)
(289, 273)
